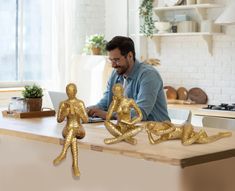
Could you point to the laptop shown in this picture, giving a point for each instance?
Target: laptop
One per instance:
(57, 97)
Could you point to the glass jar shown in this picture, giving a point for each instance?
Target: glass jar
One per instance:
(21, 105)
(12, 106)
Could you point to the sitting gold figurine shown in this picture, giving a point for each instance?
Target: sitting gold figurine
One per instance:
(167, 131)
(125, 127)
(74, 110)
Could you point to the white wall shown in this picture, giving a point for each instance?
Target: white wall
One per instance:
(107, 17)
(89, 19)
(185, 61)
(115, 18)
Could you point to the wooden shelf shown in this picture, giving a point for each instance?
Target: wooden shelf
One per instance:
(207, 37)
(199, 8)
(184, 34)
(185, 7)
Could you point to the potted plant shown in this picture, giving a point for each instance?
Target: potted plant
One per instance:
(95, 44)
(146, 13)
(33, 97)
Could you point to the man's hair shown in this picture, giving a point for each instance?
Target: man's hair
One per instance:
(124, 44)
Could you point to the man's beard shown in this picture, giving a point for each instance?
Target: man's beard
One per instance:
(122, 69)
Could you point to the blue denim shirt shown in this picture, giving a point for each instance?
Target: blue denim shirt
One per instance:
(145, 86)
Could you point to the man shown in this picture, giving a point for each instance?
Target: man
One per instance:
(141, 82)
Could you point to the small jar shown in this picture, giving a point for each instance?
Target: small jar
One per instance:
(21, 105)
(12, 106)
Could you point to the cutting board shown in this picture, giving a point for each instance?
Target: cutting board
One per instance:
(197, 95)
(176, 101)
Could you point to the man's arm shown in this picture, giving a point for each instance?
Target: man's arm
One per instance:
(150, 85)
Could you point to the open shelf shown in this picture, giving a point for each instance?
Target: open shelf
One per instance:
(186, 34)
(185, 7)
(206, 36)
(200, 9)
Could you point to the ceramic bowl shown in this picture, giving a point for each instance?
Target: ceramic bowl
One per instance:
(162, 27)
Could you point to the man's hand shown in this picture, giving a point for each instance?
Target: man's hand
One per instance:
(96, 112)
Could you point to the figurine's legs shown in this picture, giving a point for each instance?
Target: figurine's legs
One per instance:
(79, 133)
(126, 135)
(67, 143)
(209, 139)
(192, 139)
(74, 150)
(113, 130)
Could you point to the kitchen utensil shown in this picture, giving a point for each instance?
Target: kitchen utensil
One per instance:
(197, 95)
(182, 93)
(171, 92)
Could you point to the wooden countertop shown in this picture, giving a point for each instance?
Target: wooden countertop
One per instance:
(196, 109)
(171, 152)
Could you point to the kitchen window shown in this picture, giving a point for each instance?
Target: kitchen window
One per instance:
(25, 36)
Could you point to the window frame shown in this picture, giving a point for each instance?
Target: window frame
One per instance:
(19, 50)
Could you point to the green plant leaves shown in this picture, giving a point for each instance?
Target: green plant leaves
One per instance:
(96, 41)
(146, 13)
(33, 91)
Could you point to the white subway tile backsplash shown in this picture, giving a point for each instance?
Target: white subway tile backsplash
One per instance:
(228, 91)
(233, 99)
(190, 65)
(222, 98)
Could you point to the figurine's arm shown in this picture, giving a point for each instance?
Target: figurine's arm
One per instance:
(62, 112)
(156, 141)
(82, 112)
(139, 115)
(150, 137)
(190, 140)
(168, 127)
(111, 109)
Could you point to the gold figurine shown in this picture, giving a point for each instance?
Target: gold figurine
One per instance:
(125, 128)
(74, 110)
(168, 131)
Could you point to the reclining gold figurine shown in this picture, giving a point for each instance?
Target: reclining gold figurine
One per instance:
(125, 128)
(74, 110)
(167, 131)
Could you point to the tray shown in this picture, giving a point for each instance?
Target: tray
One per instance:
(33, 114)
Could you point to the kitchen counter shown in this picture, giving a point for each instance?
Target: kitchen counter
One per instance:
(47, 130)
(197, 110)
(171, 157)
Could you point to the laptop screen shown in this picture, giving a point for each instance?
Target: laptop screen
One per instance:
(57, 97)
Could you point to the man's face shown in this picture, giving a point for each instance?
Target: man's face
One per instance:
(118, 61)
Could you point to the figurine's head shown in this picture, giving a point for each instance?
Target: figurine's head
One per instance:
(71, 90)
(118, 90)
